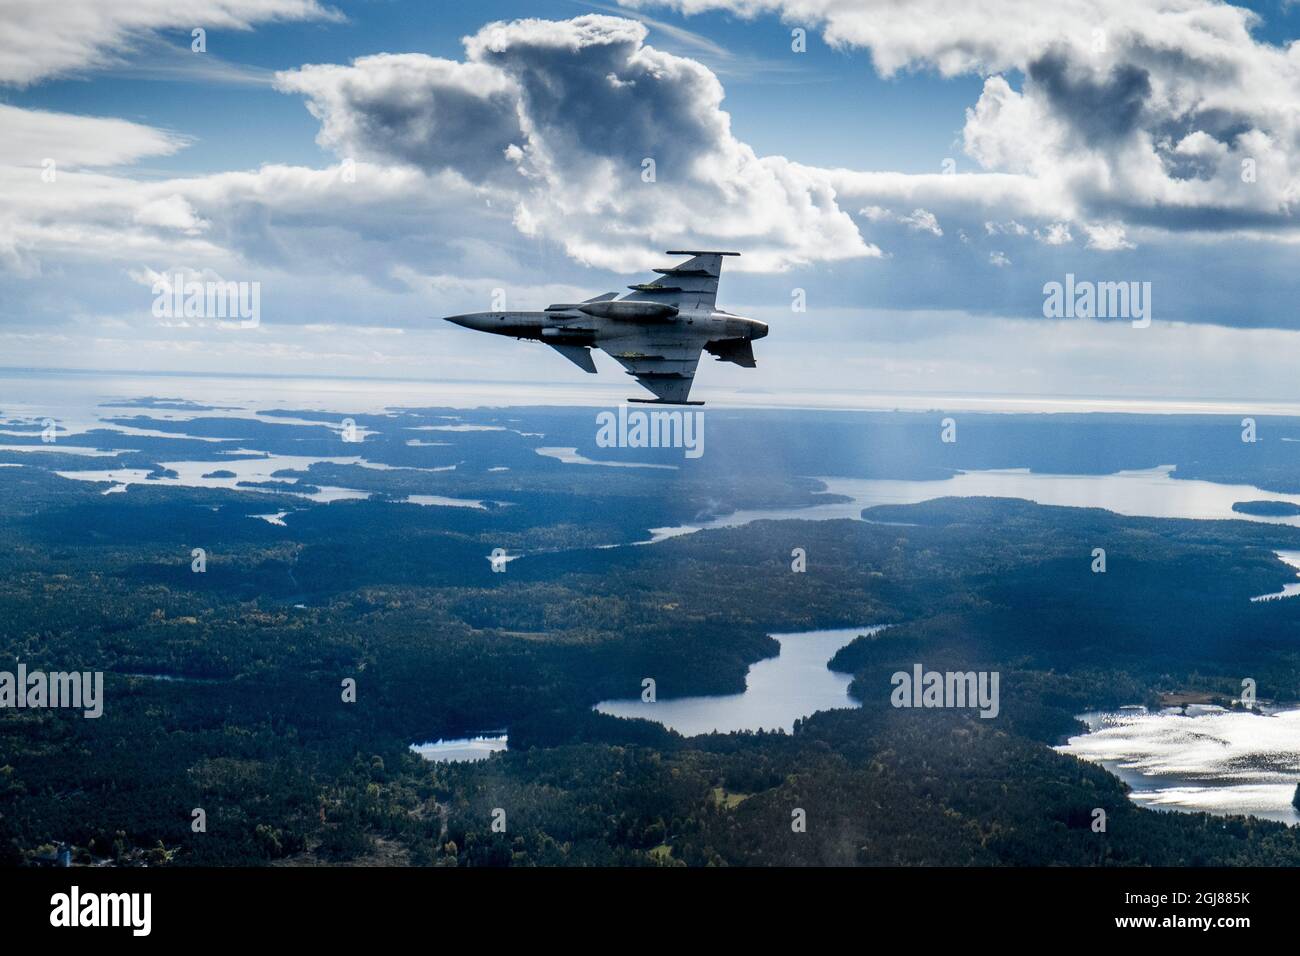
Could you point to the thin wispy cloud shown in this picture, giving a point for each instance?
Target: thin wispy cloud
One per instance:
(154, 58)
(722, 61)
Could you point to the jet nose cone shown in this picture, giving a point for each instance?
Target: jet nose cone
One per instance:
(760, 330)
(478, 321)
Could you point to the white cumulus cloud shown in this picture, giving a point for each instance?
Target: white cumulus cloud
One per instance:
(602, 143)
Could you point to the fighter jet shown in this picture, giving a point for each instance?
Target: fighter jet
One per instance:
(656, 332)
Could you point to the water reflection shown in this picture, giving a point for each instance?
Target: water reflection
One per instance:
(1209, 758)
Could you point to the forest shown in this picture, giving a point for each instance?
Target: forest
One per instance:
(224, 688)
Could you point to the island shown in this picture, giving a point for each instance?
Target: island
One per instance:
(1267, 509)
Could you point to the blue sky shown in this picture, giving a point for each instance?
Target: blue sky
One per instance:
(1106, 141)
(857, 118)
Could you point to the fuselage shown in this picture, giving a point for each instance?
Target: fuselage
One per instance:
(572, 327)
(657, 332)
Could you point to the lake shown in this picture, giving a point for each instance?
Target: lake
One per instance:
(462, 749)
(1142, 493)
(1290, 589)
(1210, 759)
(778, 690)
